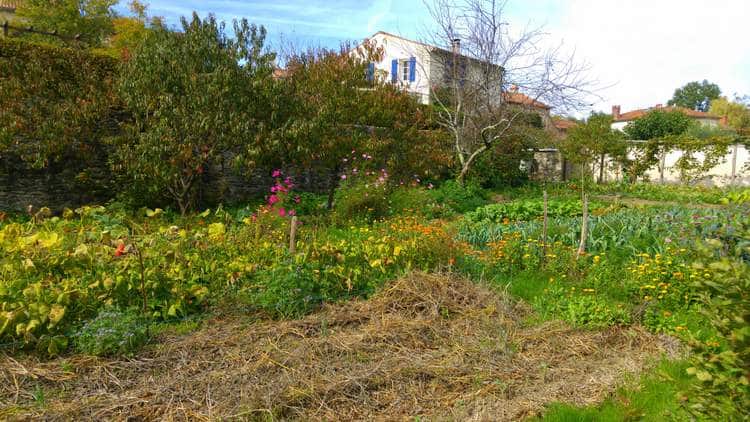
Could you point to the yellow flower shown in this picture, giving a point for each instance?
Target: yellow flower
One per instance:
(597, 258)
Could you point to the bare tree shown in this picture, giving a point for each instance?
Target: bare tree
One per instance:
(487, 68)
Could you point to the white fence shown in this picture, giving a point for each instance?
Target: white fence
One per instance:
(733, 169)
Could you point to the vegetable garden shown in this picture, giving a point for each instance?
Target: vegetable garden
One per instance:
(109, 282)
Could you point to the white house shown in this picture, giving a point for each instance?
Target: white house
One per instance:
(418, 67)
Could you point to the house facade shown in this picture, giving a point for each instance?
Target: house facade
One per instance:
(8, 10)
(420, 68)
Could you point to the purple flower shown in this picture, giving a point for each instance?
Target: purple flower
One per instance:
(276, 173)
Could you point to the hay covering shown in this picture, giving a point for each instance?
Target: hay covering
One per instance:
(436, 346)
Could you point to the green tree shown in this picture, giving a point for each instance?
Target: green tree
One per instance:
(324, 108)
(737, 114)
(91, 19)
(131, 31)
(592, 142)
(657, 124)
(696, 95)
(193, 97)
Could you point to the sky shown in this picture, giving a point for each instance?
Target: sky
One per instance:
(639, 51)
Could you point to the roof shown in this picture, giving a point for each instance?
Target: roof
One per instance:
(428, 46)
(523, 99)
(565, 124)
(10, 4)
(632, 115)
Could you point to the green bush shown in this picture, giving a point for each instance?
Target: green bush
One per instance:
(460, 198)
(361, 199)
(113, 332)
(417, 201)
(723, 367)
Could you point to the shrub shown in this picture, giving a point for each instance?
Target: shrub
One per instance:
(361, 199)
(416, 200)
(460, 198)
(112, 332)
(723, 367)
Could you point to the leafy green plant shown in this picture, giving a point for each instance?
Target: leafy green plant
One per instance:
(112, 332)
(460, 198)
(723, 368)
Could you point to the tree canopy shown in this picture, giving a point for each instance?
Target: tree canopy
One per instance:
(193, 97)
(91, 19)
(696, 95)
(657, 124)
(737, 114)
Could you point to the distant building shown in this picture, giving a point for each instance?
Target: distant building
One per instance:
(8, 10)
(620, 120)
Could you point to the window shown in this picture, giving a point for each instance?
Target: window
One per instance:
(405, 70)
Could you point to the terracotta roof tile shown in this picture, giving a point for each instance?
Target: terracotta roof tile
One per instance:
(10, 4)
(523, 99)
(632, 115)
(565, 124)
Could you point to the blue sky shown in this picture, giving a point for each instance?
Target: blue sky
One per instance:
(639, 50)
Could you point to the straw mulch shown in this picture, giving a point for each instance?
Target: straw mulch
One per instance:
(436, 346)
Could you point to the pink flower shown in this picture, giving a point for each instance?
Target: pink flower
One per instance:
(276, 173)
(275, 189)
(282, 212)
(343, 177)
(430, 186)
(273, 199)
(297, 199)
(292, 213)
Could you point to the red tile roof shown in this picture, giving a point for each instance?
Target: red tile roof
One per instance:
(10, 4)
(565, 124)
(523, 99)
(632, 115)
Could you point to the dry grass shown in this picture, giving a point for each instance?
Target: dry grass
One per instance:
(432, 345)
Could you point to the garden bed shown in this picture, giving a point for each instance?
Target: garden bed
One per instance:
(428, 345)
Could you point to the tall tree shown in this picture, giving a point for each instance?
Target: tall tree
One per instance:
(194, 96)
(91, 19)
(324, 108)
(737, 114)
(131, 31)
(593, 141)
(658, 124)
(696, 95)
(477, 104)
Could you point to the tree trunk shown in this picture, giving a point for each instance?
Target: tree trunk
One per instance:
(601, 169)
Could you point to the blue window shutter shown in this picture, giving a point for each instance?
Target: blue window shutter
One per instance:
(412, 69)
(371, 72)
(394, 70)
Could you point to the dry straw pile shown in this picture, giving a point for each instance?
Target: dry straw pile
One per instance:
(438, 346)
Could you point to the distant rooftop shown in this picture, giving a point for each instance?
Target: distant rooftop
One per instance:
(635, 114)
(10, 5)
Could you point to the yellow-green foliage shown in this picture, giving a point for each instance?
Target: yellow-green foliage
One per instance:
(57, 273)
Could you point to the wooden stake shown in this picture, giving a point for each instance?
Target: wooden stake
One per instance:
(544, 229)
(293, 236)
(584, 226)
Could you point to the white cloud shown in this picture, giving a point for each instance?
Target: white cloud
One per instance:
(647, 48)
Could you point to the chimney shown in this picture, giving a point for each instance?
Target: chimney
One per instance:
(456, 45)
(615, 112)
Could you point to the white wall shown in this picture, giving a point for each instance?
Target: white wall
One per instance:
(401, 49)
